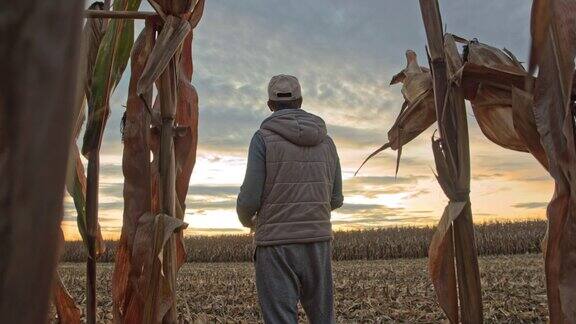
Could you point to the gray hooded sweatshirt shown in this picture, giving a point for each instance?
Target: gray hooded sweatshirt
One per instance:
(293, 180)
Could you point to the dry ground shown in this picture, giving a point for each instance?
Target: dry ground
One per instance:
(366, 291)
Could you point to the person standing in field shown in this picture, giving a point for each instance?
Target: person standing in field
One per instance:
(293, 181)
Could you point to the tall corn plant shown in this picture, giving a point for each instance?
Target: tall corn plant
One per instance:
(39, 60)
(92, 34)
(94, 30)
(111, 61)
(149, 253)
(66, 308)
(537, 120)
(553, 51)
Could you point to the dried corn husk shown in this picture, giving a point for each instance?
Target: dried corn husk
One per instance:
(492, 100)
(487, 79)
(418, 110)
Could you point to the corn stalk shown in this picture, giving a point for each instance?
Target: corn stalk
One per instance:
(162, 66)
(452, 253)
(137, 184)
(39, 55)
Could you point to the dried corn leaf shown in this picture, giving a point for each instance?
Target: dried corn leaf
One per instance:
(554, 50)
(66, 309)
(170, 225)
(168, 43)
(502, 76)
(152, 234)
(441, 264)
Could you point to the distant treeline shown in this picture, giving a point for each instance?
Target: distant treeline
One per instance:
(370, 244)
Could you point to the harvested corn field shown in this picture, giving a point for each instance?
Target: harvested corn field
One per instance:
(370, 244)
(366, 291)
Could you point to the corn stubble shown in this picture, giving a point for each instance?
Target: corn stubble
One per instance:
(217, 285)
(389, 291)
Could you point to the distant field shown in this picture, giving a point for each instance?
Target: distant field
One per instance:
(379, 291)
(373, 244)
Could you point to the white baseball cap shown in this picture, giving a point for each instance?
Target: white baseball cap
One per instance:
(284, 88)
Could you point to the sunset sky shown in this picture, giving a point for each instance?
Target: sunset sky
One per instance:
(344, 53)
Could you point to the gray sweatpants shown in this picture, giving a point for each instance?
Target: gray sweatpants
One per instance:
(292, 272)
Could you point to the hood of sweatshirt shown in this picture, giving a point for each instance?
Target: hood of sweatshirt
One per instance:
(297, 126)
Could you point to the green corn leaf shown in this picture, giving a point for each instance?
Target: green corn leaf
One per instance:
(76, 187)
(111, 62)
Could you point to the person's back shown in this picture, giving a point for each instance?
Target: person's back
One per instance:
(293, 181)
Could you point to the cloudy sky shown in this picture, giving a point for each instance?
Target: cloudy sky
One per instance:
(344, 53)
